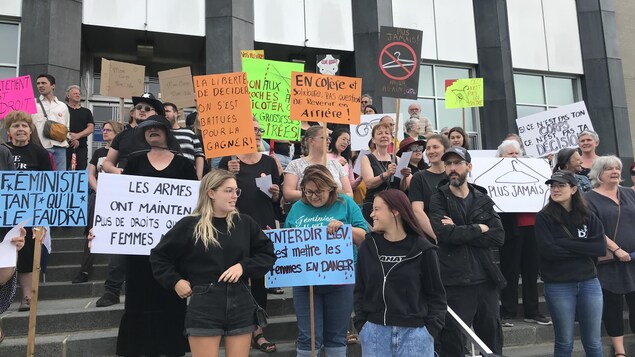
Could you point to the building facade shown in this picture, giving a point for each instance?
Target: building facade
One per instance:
(533, 54)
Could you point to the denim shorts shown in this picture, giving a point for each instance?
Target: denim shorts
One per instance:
(220, 309)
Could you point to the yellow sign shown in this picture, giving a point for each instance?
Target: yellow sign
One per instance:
(463, 93)
(259, 54)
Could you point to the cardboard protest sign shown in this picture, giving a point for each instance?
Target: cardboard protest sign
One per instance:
(515, 185)
(176, 87)
(45, 198)
(328, 64)
(311, 256)
(224, 113)
(398, 65)
(463, 93)
(259, 54)
(16, 94)
(362, 133)
(270, 93)
(325, 98)
(120, 79)
(550, 131)
(132, 213)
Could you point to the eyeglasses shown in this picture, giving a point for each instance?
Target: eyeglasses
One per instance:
(416, 148)
(454, 162)
(147, 108)
(559, 186)
(230, 190)
(106, 130)
(364, 102)
(259, 130)
(313, 193)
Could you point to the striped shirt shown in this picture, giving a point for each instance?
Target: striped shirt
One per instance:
(190, 144)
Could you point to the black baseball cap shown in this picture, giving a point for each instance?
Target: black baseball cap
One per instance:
(562, 177)
(458, 150)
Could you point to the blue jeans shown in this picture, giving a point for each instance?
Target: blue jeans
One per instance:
(333, 305)
(386, 341)
(59, 157)
(563, 301)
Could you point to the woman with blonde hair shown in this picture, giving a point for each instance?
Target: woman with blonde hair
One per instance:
(210, 255)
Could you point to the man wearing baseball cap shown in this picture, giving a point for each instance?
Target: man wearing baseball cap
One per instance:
(467, 227)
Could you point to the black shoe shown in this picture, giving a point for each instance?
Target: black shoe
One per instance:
(108, 299)
(82, 277)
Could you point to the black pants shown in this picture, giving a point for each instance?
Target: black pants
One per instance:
(81, 155)
(519, 256)
(613, 317)
(87, 257)
(116, 274)
(477, 306)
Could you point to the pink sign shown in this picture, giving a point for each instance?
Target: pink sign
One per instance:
(16, 94)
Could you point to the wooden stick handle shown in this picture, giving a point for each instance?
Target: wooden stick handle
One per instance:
(38, 233)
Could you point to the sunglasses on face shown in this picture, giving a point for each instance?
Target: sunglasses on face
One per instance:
(147, 108)
(416, 148)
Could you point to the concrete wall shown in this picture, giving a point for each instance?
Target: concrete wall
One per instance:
(624, 10)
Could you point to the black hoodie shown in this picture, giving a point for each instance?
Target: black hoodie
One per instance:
(410, 294)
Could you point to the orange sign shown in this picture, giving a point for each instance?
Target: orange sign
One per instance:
(330, 99)
(224, 111)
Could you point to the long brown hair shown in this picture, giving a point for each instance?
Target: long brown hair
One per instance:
(396, 200)
(322, 178)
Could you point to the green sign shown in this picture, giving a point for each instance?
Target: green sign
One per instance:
(270, 93)
(463, 93)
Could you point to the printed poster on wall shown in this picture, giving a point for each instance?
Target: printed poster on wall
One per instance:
(548, 132)
(270, 93)
(398, 62)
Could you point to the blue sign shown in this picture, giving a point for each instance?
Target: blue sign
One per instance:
(48, 198)
(311, 256)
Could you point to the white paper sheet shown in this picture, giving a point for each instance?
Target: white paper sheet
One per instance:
(264, 183)
(8, 253)
(403, 162)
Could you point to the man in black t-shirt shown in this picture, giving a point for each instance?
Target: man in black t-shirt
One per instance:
(81, 126)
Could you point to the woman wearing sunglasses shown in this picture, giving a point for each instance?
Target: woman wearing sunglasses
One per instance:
(322, 206)
(210, 256)
(416, 162)
(570, 238)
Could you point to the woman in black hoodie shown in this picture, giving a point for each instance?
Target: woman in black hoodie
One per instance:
(398, 288)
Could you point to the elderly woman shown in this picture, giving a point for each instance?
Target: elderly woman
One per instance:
(569, 160)
(313, 150)
(322, 206)
(412, 127)
(519, 256)
(27, 156)
(615, 207)
(588, 141)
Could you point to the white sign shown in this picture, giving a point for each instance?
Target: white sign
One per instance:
(515, 185)
(483, 153)
(8, 251)
(132, 213)
(548, 132)
(362, 133)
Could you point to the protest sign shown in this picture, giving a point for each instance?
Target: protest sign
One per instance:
(176, 87)
(120, 79)
(548, 132)
(325, 98)
(16, 94)
(399, 56)
(515, 185)
(362, 133)
(483, 153)
(463, 93)
(328, 64)
(47, 198)
(259, 54)
(132, 213)
(224, 113)
(270, 93)
(311, 256)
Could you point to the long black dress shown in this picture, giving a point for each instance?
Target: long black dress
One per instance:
(153, 320)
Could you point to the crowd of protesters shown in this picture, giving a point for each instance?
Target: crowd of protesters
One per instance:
(423, 240)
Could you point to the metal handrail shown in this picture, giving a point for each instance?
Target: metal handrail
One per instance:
(473, 337)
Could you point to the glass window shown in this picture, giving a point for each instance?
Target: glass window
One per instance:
(536, 93)
(525, 110)
(529, 89)
(443, 73)
(425, 81)
(560, 91)
(9, 38)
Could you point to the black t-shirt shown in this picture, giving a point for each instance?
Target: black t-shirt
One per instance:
(127, 144)
(252, 201)
(179, 168)
(98, 154)
(391, 253)
(80, 118)
(422, 185)
(464, 204)
(30, 157)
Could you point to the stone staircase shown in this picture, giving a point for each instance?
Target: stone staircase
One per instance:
(69, 324)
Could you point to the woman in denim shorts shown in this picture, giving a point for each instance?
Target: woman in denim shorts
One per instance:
(209, 256)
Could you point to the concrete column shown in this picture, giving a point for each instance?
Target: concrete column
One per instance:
(368, 17)
(603, 80)
(229, 28)
(498, 113)
(50, 41)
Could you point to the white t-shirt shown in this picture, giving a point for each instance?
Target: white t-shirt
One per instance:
(297, 167)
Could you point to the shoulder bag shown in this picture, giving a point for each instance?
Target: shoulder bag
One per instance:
(52, 129)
